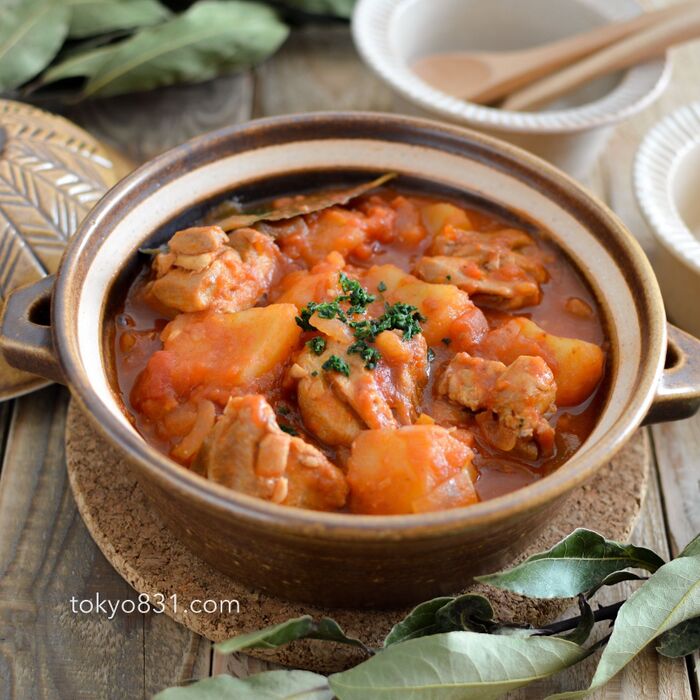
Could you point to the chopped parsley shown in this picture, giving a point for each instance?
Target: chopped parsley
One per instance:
(431, 354)
(328, 310)
(446, 341)
(288, 429)
(314, 373)
(283, 409)
(355, 293)
(448, 278)
(402, 317)
(399, 316)
(396, 317)
(370, 355)
(317, 345)
(336, 364)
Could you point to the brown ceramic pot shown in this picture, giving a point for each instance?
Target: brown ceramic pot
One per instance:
(329, 558)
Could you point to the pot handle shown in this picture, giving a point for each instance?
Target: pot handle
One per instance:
(678, 392)
(25, 330)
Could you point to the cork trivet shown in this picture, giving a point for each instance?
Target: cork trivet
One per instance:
(143, 551)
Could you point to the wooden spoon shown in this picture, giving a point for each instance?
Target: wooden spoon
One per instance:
(487, 76)
(628, 52)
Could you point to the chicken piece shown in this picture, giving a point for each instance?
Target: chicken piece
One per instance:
(521, 396)
(407, 362)
(336, 406)
(213, 353)
(577, 364)
(414, 469)
(248, 452)
(206, 269)
(448, 311)
(502, 267)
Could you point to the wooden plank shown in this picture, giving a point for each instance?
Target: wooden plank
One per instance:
(318, 69)
(5, 415)
(677, 447)
(143, 125)
(47, 558)
(172, 654)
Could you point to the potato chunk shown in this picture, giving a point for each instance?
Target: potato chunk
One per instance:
(214, 353)
(448, 310)
(414, 469)
(318, 284)
(436, 216)
(577, 365)
(246, 451)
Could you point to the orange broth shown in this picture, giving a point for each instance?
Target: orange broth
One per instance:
(137, 327)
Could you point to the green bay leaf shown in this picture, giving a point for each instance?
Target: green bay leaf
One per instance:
(455, 666)
(580, 562)
(671, 596)
(692, 548)
(213, 37)
(337, 8)
(304, 627)
(582, 631)
(92, 17)
(680, 640)
(82, 64)
(31, 33)
(418, 623)
(271, 685)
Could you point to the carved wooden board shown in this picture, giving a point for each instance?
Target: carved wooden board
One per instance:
(51, 175)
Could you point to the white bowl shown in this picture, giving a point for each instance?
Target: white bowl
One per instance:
(391, 34)
(667, 186)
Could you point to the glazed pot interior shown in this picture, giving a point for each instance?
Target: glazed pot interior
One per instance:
(168, 187)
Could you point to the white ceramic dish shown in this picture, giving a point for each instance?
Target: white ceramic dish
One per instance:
(667, 185)
(390, 34)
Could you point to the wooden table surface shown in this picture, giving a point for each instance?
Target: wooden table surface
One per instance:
(46, 554)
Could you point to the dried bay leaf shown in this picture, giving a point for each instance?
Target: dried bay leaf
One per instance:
(31, 33)
(305, 204)
(92, 17)
(213, 37)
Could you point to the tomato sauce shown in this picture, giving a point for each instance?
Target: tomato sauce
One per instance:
(567, 307)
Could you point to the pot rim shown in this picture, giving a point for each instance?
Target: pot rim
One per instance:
(340, 526)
